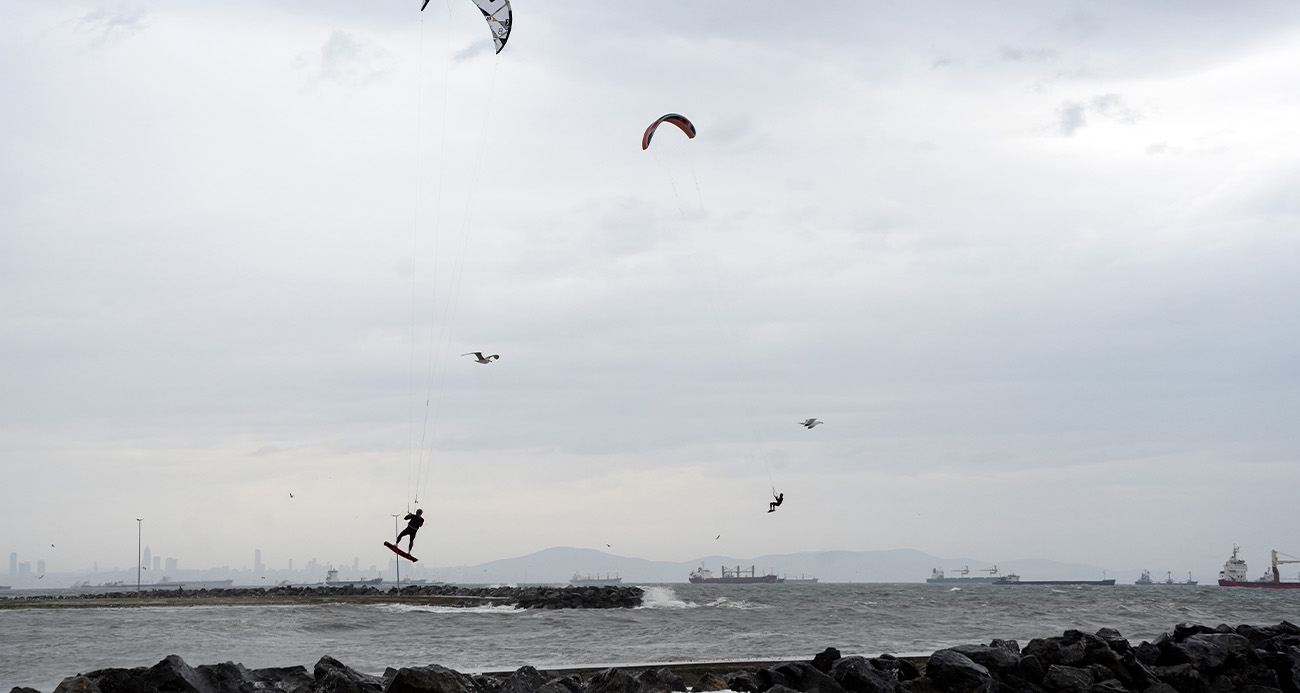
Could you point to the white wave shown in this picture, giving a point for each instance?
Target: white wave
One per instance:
(663, 598)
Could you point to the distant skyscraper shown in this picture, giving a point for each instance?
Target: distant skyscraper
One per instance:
(257, 560)
(171, 565)
(148, 558)
(13, 563)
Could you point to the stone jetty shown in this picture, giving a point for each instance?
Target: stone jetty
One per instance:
(1190, 659)
(537, 597)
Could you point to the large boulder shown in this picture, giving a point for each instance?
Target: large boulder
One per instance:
(998, 660)
(858, 675)
(799, 676)
(660, 681)
(612, 681)
(826, 659)
(332, 676)
(710, 682)
(430, 679)
(1067, 679)
(953, 671)
(525, 679)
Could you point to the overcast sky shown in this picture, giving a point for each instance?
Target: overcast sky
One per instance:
(1035, 265)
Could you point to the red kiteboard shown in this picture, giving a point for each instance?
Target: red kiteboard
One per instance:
(401, 553)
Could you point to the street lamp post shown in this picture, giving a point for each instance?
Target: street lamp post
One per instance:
(397, 560)
(139, 535)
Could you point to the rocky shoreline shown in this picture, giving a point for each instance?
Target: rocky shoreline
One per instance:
(1190, 659)
(540, 597)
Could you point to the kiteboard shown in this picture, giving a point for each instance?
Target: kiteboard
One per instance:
(401, 553)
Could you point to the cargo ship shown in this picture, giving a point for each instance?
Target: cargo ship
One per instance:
(1234, 573)
(938, 578)
(732, 577)
(1013, 579)
(801, 579)
(1168, 581)
(332, 580)
(594, 580)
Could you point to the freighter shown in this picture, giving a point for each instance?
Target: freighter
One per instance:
(1168, 581)
(595, 580)
(732, 577)
(1234, 573)
(1013, 579)
(937, 577)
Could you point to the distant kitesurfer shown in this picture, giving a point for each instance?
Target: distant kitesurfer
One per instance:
(772, 506)
(478, 356)
(413, 524)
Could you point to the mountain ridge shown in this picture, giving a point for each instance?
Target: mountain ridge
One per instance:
(557, 564)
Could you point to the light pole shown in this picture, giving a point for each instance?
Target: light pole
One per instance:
(397, 560)
(139, 535)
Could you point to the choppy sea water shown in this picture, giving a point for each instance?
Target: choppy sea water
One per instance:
(678, 623)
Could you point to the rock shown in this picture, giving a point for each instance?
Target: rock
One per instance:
(826, 659)
(1184, 631)
(1160, 688)
(660, 681)
(1147, 653)
(1116, 641)
(430, 679)
(996, 659)
(953, 671)
(612, 681)
(742, 682)
(800, 676)
(1011, 645)
(858, 675)
(1011, 683)
(1183, 677)
(23, 689)
(76, 684)
(1031, 669)
(900, 669)
(710, 682)
(1108, 686)
(332, 676)
(526, 679)
(1067, 679)
(564, 684)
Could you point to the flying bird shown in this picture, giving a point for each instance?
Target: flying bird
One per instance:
(478, 356)
(809, 423)
(291, 495)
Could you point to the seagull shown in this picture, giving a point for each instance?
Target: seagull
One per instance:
(809, 423)
(478, 356)
(291, 495)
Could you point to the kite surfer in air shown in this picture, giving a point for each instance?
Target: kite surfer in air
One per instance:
(414, 522)
(772, 506)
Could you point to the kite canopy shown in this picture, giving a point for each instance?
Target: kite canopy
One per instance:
(497, 14)
(678, 120)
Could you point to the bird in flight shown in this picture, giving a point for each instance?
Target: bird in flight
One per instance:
(809, 423)
(478, 356)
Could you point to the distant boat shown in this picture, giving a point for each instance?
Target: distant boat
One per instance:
(4, 587)
(594, 580)
(1234, 573)
(332, 580)
(1167, 582)
(1013, 579)
(799, 579)
(938, 578)
(702, 575)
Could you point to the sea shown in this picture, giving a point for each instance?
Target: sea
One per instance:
(677, 623)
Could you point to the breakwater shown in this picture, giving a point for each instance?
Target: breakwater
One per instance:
(537, 597)
(1189, 659)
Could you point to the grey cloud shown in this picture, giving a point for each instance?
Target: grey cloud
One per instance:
(1027, 54)
(348, 60)
(1112, 106)
(111, 26)
(1072, 118)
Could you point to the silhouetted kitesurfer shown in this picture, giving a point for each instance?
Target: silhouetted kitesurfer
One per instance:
(772, 506)
(413, 524)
